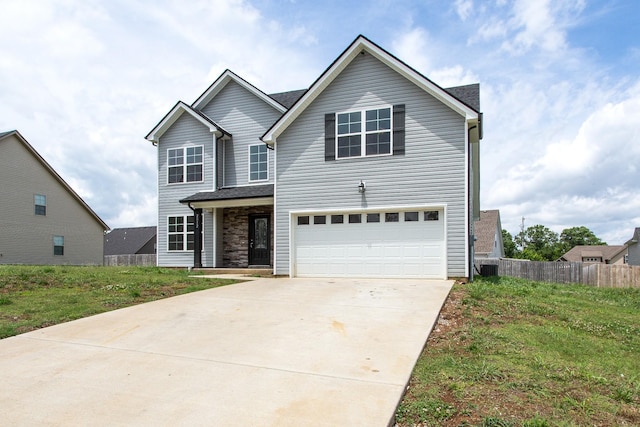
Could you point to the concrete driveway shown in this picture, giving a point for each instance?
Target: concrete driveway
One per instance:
(269, 352)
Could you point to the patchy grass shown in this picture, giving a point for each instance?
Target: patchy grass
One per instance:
(33, 297)
(511, 352)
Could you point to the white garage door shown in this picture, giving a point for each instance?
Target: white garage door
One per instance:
(406, 243)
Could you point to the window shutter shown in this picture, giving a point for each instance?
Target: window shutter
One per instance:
(398, 129)
(329, 137)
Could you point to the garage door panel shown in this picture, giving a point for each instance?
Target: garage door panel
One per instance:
(383, 249)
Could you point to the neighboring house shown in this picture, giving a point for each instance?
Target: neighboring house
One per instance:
(633, 257)
(488, 232)
(371, 172)
(42, 220)
(602, 254)
(130, 241)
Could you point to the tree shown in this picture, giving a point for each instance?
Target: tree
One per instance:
(509, 246)
(538, 243)
(578, 236)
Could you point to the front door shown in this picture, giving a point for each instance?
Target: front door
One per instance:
(259, 241)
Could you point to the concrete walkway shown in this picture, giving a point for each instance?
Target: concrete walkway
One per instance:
(269, 352)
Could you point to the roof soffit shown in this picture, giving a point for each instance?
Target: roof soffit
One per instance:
(361, 45)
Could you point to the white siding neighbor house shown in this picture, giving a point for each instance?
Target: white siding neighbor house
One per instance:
(42, 220)
(373, 171)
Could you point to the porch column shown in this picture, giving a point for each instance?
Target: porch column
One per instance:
(197, 238)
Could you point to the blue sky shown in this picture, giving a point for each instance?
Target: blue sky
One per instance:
(84, 81)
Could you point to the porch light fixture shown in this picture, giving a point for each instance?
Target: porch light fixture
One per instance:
(362, 187)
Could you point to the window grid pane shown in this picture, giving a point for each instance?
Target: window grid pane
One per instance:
(181, 233)
(258, 163)
(337, 219)
(355, 140)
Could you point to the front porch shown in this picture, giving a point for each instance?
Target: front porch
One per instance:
(241, 236)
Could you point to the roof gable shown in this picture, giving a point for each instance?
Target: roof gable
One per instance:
(175, 113)
(359, 45)
(636, 237)
(226, 77)
(55, 174)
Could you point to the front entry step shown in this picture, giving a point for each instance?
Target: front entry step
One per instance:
(245, 271)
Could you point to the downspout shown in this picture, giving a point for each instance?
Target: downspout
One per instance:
(197, 236)
(471, 231)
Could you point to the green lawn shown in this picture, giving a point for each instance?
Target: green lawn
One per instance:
(505, 352)
(511, 352)
(33, 297)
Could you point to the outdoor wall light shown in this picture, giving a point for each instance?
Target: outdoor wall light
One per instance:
(362, 187)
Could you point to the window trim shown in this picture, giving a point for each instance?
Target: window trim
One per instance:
(185, 233)
(185, 165)
(363, 132)
(61, 246)
(249, 163)
(36, 205)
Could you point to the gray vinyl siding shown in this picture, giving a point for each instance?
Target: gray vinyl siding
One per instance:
(26, 238)
(185, 132)
(633, 257)
(432, 170)
(247, 117)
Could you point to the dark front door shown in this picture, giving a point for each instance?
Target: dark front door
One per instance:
(259, 240)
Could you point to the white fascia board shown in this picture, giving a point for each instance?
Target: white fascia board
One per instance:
(232, 203)
(172, 116)
(360, 46)
(226, 77)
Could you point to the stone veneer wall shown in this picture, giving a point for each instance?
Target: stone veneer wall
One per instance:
(235, 234)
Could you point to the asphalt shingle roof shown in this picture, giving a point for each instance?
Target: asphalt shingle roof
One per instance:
(485, 231)
(605, 251)
(287, 99)
(122, 241)
(469, 94)
(246, 192)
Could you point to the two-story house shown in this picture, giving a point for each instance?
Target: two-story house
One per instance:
(42, 219)
(371, 172)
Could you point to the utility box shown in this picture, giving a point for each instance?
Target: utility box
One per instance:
(487, 270)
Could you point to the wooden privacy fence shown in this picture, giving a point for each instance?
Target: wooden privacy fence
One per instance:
(139, 259)
(541, 271)
(602, 275)
(612, 276)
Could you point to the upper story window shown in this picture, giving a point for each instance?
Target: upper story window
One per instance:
(40, 202)
(366, 132)
(371, 138)
(258, 163)
(185, 164)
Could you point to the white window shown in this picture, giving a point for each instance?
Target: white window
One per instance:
(185, 164)
(58, 245)
(258, 163)
(40, 203)
(355, 139)
(180, 233)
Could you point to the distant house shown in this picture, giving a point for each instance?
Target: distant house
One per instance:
(130, 241)
(42, 220)
(488, 230)
(594, 254)
(633, 257)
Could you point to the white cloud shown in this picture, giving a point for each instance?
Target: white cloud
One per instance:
(464, 8)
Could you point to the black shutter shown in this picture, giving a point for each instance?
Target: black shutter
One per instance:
(398, 129)
(329, 137)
